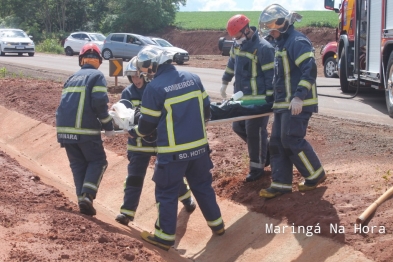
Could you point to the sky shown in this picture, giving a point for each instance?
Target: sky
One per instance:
(250, 5)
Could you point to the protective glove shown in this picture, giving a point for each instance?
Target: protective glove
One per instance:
(110, 133)
(223, 90)
(296, 106)
(137, 115)
(269, 99)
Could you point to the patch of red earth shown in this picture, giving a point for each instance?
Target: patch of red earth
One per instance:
(38, 223)
(357, 162)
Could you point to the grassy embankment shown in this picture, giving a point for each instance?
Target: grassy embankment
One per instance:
(218, 20)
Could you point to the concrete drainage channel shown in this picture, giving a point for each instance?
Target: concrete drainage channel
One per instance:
(33, 144)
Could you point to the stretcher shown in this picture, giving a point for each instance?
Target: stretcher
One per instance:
(216, 122)
(123, 116)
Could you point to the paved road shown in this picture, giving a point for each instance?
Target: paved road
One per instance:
(366, 106)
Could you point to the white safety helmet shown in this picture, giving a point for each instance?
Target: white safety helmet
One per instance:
(150, 57)
(132, 70)
(276, 17)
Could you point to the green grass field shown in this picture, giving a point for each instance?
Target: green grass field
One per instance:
(218, 20)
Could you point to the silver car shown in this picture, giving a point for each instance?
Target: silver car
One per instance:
(124, 45)
(180, 55)
(75, 41)
(16, 41)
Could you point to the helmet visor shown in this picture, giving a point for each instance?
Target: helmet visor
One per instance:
(276, 17)
(147, 67)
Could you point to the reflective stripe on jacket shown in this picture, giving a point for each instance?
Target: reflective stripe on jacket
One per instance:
(251, 63)
(137, 145)
(295, 72)
(83, 109)
(175, 101)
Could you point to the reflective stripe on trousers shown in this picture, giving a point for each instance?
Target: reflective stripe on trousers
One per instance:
(168, 178)
(288, 147)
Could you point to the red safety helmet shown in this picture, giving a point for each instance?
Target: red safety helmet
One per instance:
(236, 23)
(87, 49)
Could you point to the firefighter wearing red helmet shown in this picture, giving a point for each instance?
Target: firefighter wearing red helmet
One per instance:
(236, 24)
(80, 117)
(251, 64)
(90, 54)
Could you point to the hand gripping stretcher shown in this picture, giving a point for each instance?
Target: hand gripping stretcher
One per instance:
(229, 111)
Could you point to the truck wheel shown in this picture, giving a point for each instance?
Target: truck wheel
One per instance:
(389, 86)
(329, 68)
(343, 74)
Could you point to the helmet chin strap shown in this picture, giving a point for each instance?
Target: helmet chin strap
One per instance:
(246, 34)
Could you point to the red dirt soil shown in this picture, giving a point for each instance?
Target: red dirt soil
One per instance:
(357, 162)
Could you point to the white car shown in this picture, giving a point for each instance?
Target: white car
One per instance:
(16, 41)
(74, 42)
(180, 55)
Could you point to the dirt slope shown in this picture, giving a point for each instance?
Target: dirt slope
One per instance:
(42, 225)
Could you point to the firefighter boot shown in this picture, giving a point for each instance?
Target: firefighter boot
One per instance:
(308, 185)
(85, 204)
(271, 193)
(255, 174)
(219, 230)
(189, 204)
(154, 241)
(124, 219)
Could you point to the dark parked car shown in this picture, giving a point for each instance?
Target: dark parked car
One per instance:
(224, 46)
(124, 45)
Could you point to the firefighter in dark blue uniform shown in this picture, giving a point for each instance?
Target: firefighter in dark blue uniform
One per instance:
(251, 63)
(177, 105)
(80, 117)
(295, 99)
(139, 152)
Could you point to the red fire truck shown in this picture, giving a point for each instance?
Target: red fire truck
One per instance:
(365, 45)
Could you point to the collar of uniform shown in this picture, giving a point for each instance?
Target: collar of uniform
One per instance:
(255, 35)
(162, 68)
(88, 66)
(285, 36)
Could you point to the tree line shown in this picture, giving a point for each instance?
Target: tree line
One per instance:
(57, 18)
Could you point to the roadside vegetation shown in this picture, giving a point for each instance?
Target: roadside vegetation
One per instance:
(51, 21)
(218, 20)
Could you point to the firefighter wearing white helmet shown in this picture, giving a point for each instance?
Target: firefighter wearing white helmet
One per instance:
(295, 100)
(149, 58)
(139, 151)
(177, 105)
